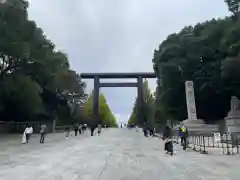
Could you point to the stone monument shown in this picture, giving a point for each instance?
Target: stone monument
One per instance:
(233, 118)
(190, 99)
(193, 124)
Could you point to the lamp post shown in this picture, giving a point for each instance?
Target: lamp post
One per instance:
(181, 71)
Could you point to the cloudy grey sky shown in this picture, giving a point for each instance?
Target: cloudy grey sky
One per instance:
(117, 35)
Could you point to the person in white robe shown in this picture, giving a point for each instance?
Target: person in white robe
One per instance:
(24, 139)
(26, 134)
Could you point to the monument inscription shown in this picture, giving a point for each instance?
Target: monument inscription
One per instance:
(190, 99)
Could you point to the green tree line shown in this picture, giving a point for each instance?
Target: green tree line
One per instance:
(105, 114)
(207, 54)
(35, 78)
(148, 108)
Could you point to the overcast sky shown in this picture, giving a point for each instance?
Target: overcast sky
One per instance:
(117, 35)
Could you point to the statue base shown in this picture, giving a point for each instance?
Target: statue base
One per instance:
(232, 121)
(233, 124)
(198, 126)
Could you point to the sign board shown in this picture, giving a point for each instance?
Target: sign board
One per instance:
(217, 137)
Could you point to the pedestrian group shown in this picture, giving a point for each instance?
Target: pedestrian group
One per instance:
(77, 128)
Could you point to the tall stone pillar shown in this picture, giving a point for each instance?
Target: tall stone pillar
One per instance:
(140, 114)
(190, 100)
(96, 100)
(193, 124)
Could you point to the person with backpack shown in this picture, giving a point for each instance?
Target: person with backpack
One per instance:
(183, 133)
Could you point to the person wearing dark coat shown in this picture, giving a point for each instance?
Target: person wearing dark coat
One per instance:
(151, 131)
(75, 126)
(145, 130)
(167, 135)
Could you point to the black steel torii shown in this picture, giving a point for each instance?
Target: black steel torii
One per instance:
(97, 85)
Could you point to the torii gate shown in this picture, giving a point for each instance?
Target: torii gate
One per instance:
(97, 85)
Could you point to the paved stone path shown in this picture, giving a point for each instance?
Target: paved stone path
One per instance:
(118, 154)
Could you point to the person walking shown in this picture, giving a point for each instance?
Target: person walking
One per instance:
(28, 131)
(24, 138)
(31, 130)
(42, 133)
(99, 129)
(137, 129)
(80, 129)
(151, 131)
(92, 128)
(76, 128)
(183, 133)
(84, 127)
(145, 130)
(67, 132)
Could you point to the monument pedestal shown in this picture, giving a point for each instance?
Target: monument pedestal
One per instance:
(233, 124)
(233, 118)
(198, 126)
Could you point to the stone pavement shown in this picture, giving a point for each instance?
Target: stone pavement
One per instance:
(11, 144)
(118, 154)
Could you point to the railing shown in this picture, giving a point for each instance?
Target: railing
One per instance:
(62, 128)
(18, 127)
(227, 144)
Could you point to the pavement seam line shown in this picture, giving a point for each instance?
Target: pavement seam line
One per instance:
(105, 165)
(78, 177)
(106, 162)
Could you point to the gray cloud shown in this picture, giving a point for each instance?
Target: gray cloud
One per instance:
(117, 36)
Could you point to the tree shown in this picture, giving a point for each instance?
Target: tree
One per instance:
(14, 50)
(30, 60)
(105, 114)
(147, 108)
(231, 74)
(133, 117)
(233, 6)
(200, 53)
(19, 97)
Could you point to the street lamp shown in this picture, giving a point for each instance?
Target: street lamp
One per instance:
(181, 70)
